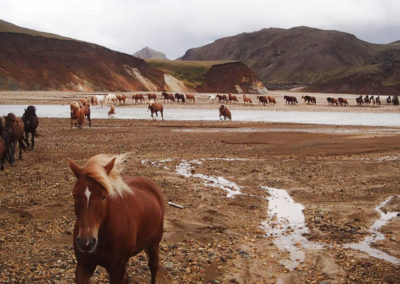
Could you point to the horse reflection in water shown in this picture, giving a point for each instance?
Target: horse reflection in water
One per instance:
(116, 218)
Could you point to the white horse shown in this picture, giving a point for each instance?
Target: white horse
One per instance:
(100, 99)
(212, 99)
(111, 99)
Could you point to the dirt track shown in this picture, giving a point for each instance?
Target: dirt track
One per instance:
(339, 178)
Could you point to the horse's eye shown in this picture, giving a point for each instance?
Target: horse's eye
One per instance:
(103, 197)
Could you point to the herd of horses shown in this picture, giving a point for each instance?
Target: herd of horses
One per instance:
(15, 130)
(80, 109)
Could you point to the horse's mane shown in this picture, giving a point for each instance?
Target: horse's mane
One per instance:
(112, 182)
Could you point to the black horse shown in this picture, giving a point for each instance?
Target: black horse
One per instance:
(31, 122)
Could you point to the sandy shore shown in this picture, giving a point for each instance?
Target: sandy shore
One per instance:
(339, 175)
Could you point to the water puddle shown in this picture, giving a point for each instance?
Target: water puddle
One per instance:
(303, 117)
(186, 169)
(286, 224)
(286, 221)
(365, 245)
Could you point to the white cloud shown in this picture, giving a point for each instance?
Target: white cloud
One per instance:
(173, 26)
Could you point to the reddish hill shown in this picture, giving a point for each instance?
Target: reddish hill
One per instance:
(232, 77)
(39, 63)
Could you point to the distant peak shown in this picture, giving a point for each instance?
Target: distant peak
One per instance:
(149, 53)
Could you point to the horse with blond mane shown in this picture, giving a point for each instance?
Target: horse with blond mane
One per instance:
(116, 218)
(77, 114)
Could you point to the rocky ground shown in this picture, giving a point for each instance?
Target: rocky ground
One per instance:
(339, 178)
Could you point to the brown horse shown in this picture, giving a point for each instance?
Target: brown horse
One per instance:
(247, 100)
(190, 98)
(232, 98)
(5, 143)
(121, 98)
(168, 97)
(15, 127)
(31, 122)
(224, 111)
(3, 153)
(152, 97)
(155, 108)
(343, 102)
(116, 218)
(222, 98)
(111, 111)
(77, 114)
(271, 100)
(137, 98)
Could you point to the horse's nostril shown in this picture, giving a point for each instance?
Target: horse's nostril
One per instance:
(93, 242)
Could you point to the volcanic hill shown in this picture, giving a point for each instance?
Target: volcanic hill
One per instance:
(324, 60)
(32, 60)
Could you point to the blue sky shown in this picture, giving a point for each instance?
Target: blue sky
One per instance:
(173, 26)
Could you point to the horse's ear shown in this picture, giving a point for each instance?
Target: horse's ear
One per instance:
(109, 166)
(75, 168)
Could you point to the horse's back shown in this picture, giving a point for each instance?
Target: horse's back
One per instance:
(145, 185)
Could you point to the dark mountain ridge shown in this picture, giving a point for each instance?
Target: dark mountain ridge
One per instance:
(304, 56)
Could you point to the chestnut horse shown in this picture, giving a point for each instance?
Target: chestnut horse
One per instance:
(155, 108)
(152, 97)
(190, 98)
(31, 122)
(224, 111)
(77, 114)
(116, 218)
(247, 100)
(138, 97)
(5, 143)
(15, 127)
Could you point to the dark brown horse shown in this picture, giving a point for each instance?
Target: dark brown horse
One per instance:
(180, 97)
(343, 102)
(232, 98)
(15, 128)
(168, 97)
(224, 111)
(116, 218)
(3, 153)
(155, 108)
(222, 98)
(31, 122)
(332, 101)
(262, 100)
(5, 143)
(359, 100)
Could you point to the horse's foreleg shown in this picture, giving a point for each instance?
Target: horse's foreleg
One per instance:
(83, 273)
(12, 153)
(118, 273)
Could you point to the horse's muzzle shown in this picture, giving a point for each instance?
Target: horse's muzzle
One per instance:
(86, 245)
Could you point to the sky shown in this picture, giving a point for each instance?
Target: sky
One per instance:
(174, 26)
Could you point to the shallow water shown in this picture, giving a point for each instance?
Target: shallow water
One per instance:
(365, 245)
(286, 225)
(304, 117)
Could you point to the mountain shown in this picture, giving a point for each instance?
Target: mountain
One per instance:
(32, 60)
(321, 59)
(212, 76)
(231, 77)
(148, 53)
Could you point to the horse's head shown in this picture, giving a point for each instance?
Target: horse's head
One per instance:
(91, 203)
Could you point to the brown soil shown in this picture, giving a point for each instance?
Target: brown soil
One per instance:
(339, 178)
